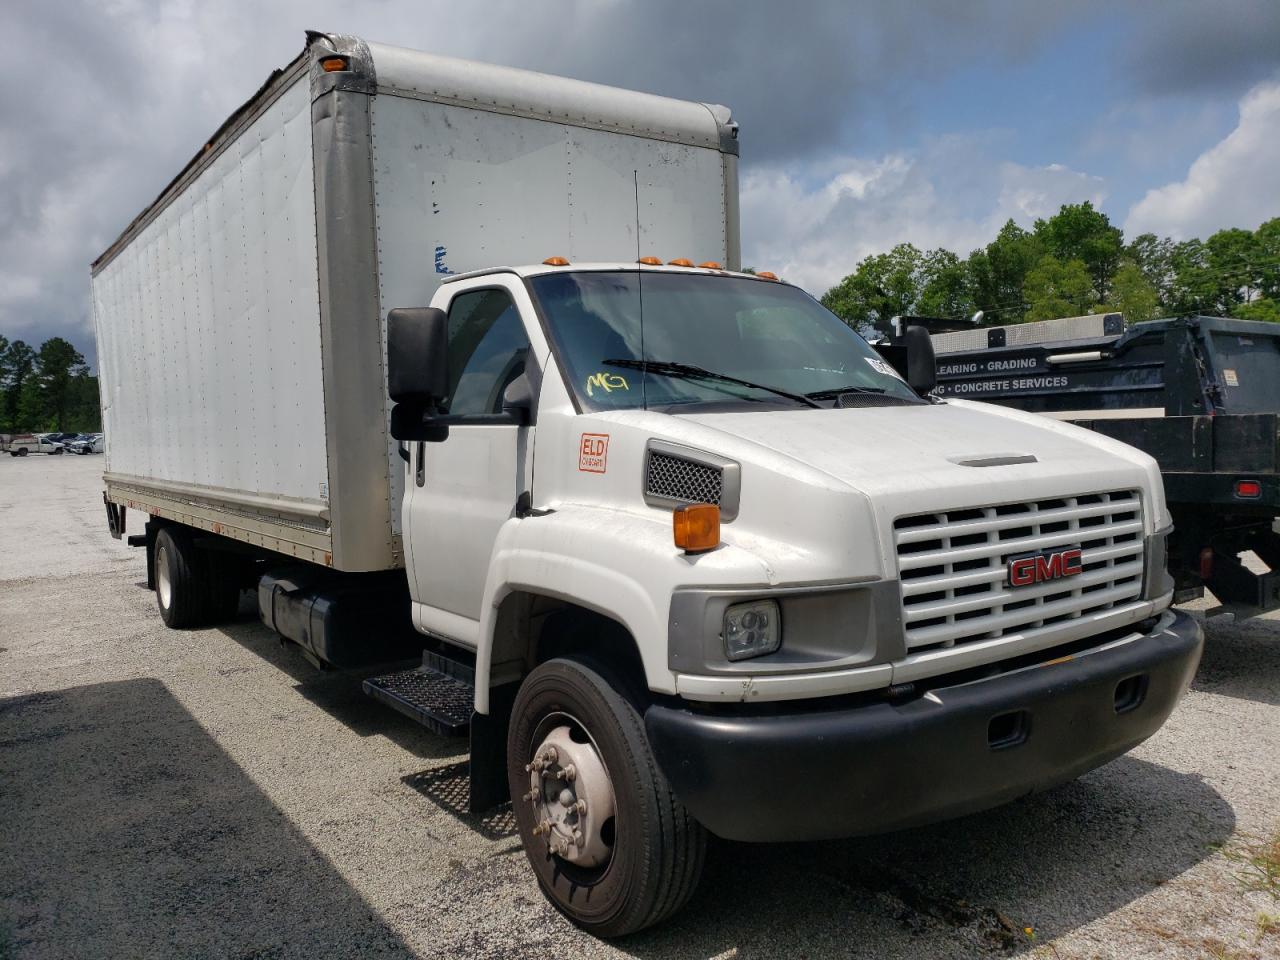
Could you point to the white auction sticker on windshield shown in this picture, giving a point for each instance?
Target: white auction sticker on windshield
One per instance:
(882, 366)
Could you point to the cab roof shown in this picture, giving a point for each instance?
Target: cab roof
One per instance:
(541, 269)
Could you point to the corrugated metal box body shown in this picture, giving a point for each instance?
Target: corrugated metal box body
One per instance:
(209, 325)
(241, 318)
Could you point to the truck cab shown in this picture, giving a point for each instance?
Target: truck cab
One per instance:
(699, 535)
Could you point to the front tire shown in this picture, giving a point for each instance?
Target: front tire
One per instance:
(615, 875)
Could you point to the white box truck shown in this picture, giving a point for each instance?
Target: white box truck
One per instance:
(676, 547)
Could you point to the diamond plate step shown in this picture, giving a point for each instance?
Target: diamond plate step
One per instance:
(440, 702)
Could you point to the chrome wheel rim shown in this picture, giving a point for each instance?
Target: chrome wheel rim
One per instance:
(164, 587)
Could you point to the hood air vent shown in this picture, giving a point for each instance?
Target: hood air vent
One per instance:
(675, 475)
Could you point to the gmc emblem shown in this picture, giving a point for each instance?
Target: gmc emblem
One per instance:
(1039, 567)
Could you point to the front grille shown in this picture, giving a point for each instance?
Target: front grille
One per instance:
(953, 566)
(675, 478)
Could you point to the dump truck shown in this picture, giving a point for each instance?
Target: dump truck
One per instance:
(453, 365)
(1199, 394)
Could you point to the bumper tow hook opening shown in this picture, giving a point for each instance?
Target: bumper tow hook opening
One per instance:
(1130, 693)
(1008, 730)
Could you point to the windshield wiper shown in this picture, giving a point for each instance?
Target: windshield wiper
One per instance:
(687, 371)
(831, 394)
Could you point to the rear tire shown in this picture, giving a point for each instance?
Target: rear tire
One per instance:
(22, 452)
(657, 848)
(194, 587)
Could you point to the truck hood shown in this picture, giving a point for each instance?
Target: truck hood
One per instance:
(913, 459)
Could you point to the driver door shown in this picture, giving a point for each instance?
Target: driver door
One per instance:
(460, 491)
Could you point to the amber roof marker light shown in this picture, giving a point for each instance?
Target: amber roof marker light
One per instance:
(556, 262)
(650, 261)
(680, 262)
(334, 64)
(710, 265)
(767, 275)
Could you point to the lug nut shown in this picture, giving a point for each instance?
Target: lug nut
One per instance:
(579, 839)
(570, 773)
(535, 794)
(551, 754)
(581, 807)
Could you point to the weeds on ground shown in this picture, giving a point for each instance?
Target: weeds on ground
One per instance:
(1259, 863)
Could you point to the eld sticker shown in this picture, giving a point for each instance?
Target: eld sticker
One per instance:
(882, 366)
(593, 453)
(608, 382)
(1229, 375)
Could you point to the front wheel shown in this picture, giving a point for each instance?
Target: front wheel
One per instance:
(612, 847)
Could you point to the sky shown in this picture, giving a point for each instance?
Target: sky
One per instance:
(864, 124)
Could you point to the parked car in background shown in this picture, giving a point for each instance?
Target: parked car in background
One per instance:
(85, 443)
(25, 443)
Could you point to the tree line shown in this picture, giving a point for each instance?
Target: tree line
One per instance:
(46, 390)
(1073, 263)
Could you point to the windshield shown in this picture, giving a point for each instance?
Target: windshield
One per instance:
(707, 339)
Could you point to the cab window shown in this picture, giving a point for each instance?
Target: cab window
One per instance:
(487, 350)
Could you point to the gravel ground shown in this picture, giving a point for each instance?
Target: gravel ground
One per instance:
(208, 793)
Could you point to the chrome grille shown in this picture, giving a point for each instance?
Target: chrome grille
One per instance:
(675, 478)
(953, 566)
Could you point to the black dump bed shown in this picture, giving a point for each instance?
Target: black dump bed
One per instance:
(1200, 394)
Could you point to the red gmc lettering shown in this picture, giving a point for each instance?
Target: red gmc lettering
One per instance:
(1025, 571)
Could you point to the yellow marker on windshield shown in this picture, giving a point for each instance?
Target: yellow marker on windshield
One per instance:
(608, 382)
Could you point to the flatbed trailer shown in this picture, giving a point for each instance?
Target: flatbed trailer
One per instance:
(1199, 394)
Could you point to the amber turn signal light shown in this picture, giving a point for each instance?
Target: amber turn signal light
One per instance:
(333, 64)
(697, 527)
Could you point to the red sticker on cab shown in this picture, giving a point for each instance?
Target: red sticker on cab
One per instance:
(593, 452)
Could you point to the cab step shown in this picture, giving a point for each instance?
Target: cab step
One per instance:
(439, 694)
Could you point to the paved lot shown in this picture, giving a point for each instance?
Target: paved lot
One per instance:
(209, 794)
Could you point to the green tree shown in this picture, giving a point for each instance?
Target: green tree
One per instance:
(1057, 289)
(17, 368)
(1233, 263)
(59, 364)
(998, 276)
(1267, 239)
(1192, 289)
(1154, 257)
(882, 287)
(1133, 295)
(1263, 308)
(945, 290)
(1079, 232)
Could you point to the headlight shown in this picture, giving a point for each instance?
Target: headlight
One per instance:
(751, 629)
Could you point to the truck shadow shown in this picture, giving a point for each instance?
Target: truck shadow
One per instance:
(1002, 881)
(1241, 659)
(336, 692)
(129, 833)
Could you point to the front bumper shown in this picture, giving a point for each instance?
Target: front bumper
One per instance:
(836, 771)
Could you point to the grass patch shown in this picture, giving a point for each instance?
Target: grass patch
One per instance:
(1258, 859)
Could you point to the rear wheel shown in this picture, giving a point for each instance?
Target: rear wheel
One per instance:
(22, 452)
(194, 587)
(612, 847)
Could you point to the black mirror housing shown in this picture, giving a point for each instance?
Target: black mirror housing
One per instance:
(911, 354)
(417, 355)
(411, 423)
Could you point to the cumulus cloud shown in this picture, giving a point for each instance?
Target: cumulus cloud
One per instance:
(1236, 183)
(113, 98)
(953, 193)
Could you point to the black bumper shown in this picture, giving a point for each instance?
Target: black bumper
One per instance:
(823, 773)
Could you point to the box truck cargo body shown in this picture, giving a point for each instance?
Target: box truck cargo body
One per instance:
(453, 364)
(241, 318)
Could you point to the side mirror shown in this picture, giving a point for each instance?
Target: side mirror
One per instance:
(922, 366)
(417, 355)
(517, 399)
(911, 354)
